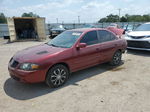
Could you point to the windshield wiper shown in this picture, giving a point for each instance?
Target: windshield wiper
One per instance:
(56, 45)
(52, 45)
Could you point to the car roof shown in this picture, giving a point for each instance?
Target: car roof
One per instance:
(86, 29)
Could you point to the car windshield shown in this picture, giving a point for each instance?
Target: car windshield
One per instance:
(143, 27)
(65, 39)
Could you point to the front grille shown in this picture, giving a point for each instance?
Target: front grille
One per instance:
(137, 37)
(14, 63)
(139, 44)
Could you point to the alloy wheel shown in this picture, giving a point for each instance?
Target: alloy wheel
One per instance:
(58, 76)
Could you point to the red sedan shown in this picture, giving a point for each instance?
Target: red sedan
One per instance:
(70, 51)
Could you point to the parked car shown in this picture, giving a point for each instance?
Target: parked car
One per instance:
(128, 28)
(139, 38)
(114, 25)
(56, 30)
(68, 52)
(116, 29)
(89, 26)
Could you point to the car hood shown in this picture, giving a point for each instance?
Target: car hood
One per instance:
(35, 53)
(139, 33)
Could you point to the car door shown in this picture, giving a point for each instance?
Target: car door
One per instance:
(108, 44)
(88, 56)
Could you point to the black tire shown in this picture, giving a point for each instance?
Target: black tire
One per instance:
(116, 59)
(57, 76)
(51, 37)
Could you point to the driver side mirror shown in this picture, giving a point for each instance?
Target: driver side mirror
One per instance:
(81, 45)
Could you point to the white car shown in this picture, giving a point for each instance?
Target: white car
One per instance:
(139, 38)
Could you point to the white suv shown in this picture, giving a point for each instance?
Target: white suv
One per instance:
(139, 38)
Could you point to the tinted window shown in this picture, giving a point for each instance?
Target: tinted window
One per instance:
(112, 36)
(106, 36)
(90, 38)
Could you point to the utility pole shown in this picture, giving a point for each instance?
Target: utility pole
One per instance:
(79, 19)
(62, 22)
(57, 20)
(119, 14)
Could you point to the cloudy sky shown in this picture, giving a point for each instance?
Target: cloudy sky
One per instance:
(69, 10)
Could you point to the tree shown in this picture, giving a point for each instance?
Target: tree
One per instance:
(2, 18)
(123, 19)
(30, 14)
(146, 18)
(110, 18)
(126, 18)
(102, 20)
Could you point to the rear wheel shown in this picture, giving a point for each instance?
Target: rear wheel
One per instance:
(57, 76)
(116, 59)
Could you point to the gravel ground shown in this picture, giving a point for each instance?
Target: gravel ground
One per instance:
(102, 88)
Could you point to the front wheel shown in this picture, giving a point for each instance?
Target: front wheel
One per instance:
(57, 76)
(116, 59)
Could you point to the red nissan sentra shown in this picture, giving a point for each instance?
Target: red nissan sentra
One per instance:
(70, 51)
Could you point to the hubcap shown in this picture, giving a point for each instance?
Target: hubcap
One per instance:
(117, 58)
(58, 76)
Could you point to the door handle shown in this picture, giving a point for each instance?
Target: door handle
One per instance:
(115, 45)
(97, 49)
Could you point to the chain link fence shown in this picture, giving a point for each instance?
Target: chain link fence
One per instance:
(4, 27)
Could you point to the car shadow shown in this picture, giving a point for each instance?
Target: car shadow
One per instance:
(22, 91)
(139, 52)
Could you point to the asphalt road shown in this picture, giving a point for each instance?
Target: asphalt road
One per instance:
(102, 88)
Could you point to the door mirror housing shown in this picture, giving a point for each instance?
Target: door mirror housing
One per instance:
(81, 45)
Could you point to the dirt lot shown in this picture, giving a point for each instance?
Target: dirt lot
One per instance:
(98, 89)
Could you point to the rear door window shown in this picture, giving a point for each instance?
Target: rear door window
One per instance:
(106, 36)
(90, 38)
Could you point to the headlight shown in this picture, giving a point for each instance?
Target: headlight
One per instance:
(29, 66)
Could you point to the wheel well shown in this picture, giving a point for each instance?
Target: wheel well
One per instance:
(116, 51)
(119, 50)
(61, 63)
